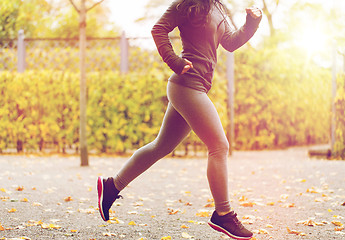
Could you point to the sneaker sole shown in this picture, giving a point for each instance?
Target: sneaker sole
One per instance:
(100, 196)
(222, 230)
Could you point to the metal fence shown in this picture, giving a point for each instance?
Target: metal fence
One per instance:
(103, 54)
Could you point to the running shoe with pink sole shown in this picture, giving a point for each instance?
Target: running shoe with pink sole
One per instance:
(107, 194)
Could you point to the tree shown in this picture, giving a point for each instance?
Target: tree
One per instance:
(54, 18)
(82, 10)
(269, 8)
(97, 21)
(25, 15)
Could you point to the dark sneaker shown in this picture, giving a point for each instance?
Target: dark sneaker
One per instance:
(230, 225)
(107, 194)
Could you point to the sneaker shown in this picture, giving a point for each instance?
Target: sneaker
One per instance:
(107, 194)
(230, 225)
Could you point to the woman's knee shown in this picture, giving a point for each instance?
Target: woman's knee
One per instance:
(219, 148)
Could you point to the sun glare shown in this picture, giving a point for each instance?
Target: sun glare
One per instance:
(312, 40)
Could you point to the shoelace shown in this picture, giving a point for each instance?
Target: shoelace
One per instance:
(118, 196)
(237, 222)
(234, 218)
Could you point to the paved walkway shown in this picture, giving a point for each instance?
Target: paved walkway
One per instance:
(276, 194)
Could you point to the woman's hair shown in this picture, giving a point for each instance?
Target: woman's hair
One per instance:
(197, 11)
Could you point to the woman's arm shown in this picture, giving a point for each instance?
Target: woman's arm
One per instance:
(233, 40)
(169, 20)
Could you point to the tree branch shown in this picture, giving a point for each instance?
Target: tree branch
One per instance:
(75, 6)
(97, 3)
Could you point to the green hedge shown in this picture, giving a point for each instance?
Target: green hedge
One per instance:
(41, 109)
(279, 102)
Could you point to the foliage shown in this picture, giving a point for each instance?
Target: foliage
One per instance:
(41, 109)
(279, 101)
(50, 19)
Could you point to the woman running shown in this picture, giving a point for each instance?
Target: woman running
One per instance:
(203, 26)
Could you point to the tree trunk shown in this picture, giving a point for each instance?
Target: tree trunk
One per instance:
(83, 102)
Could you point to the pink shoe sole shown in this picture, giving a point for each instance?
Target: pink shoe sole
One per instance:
(100, 196)
(222, 230)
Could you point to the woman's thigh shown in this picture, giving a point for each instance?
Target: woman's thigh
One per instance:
(200, 113)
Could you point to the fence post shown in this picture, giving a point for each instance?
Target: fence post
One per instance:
(230, 73)
(334, 92)
(84, 158)
(124, 53)
(21, 51)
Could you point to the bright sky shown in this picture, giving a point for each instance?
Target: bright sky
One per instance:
(124, 14)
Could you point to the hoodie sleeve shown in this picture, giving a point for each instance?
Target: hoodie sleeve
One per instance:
(168, 21)
(232, 40)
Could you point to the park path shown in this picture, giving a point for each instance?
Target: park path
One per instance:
(277, 194)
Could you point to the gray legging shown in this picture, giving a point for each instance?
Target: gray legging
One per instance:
(187, 109)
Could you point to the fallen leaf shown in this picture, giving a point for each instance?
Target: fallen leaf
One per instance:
(295, 232)
(20, 188)
(138, 204)
(203, 214)
(4, 198)
(284, 196)
(50, 226)
(132, 212)
(1, 228)
(74, 230)
(108, 234)
(186, 235)
(166, 238)
(3, 190)
(68, 199)
(343, 204)
(270, 203)
(312, 190)
(339, 228)
(12, 210)
(242, 199)
(132, 223)
(337, 223)
(88, 210)
(288, 205)
(209, 205)
(172, 211)
(184, 226)
(24, 200)
(261, 231)
(33, 223)
(247, 204)
(310, 223)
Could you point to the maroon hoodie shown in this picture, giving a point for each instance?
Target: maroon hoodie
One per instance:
(199, 43)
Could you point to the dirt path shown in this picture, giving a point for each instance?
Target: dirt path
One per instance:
(54, 198)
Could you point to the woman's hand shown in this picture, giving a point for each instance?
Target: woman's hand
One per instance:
(254, 12)
(188, 66)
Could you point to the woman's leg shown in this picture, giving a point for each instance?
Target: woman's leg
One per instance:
(201, 115)
(173, 130)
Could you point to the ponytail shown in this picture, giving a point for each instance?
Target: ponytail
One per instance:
(197, 11)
